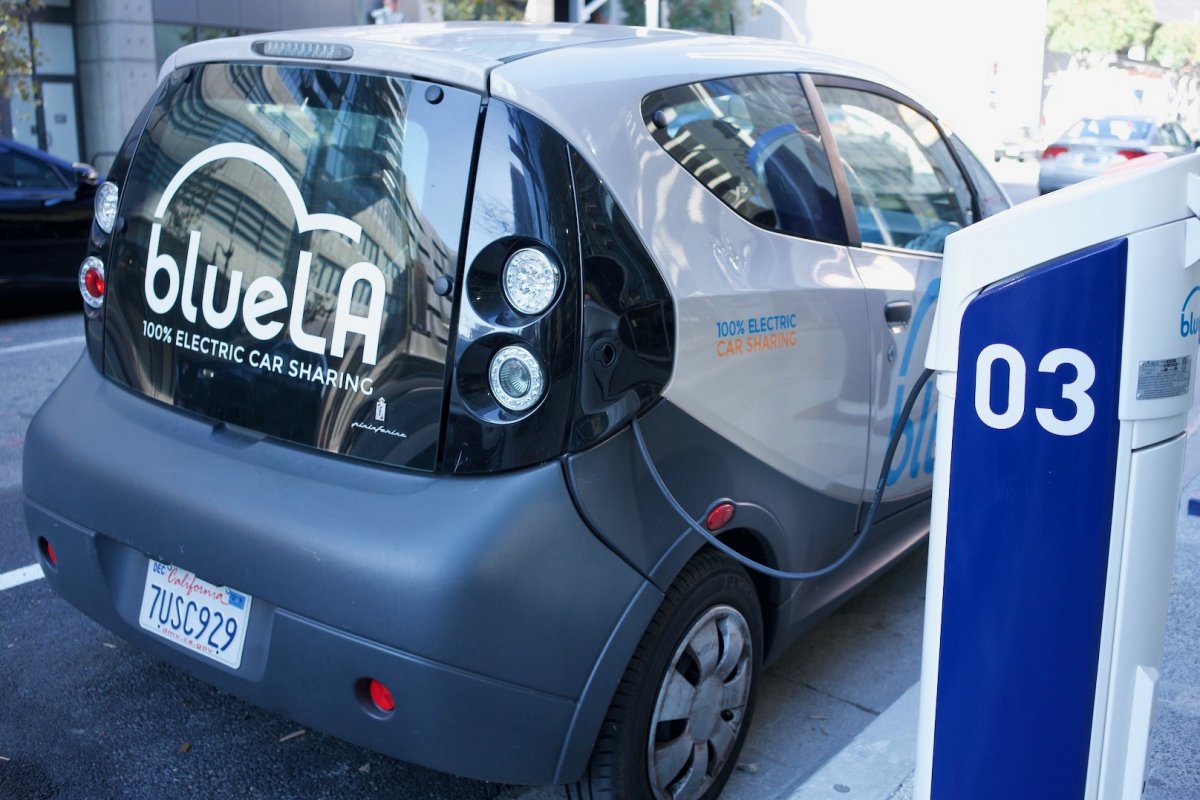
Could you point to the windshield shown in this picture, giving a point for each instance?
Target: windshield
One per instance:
(283, 230)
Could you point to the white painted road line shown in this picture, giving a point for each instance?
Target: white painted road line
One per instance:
(20, 576)
(24, 348)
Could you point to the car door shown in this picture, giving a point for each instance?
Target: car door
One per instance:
(908, 193)
(773, 353)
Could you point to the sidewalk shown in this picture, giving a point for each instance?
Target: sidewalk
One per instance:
(879, 763)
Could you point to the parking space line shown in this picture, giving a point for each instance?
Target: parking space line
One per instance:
(22, 348)
(20, 576)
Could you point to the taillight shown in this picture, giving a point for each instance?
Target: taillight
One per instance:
(720, 516)
(381, 696)
(1054, 151)
(516, 378)
(1131, 154)
(106, 200)
(91, 281)
(530, 280)
(47, 551)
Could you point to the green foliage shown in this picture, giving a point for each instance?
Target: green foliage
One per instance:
(454, 10)
(16, 62)
(1176, 45)
(685, 15)
(1092, 29)
(701, 15)
(634, 12)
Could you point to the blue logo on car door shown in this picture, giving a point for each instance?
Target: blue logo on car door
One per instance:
(916, 455)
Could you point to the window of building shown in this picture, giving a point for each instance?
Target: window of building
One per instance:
(169, 37)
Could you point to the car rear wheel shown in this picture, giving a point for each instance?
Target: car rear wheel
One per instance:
(680, 714)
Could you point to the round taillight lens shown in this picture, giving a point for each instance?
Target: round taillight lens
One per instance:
(516, 378)
(381, 696)
(106, 206)
(91, 281)
(720, 516)
(530, 281)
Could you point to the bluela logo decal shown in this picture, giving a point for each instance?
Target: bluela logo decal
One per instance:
(1189, 323)
(919, 441)
(265, 294)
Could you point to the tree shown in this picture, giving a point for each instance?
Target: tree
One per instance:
(685, 15)
(482, 9)
(16, 58)
(1092, 30)
(1176, 46)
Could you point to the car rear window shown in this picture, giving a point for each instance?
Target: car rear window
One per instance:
(1125, 130)
(283, 228)
(753, 142)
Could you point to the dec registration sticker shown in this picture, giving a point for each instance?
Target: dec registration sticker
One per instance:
(208, 619)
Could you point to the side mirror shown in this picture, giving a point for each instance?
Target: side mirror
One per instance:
(86, 174)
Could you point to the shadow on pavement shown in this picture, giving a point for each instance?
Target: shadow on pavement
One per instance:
(17, 302)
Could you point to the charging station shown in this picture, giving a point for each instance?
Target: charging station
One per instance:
(1064, 345)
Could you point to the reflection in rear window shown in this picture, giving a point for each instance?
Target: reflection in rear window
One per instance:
(283, 230)
(753, 142)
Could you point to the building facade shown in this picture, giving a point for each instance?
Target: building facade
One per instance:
(96, 62)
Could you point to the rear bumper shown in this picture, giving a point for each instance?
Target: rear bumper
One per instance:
(494, 615)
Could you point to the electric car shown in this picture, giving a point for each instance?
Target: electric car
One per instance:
(407, 346)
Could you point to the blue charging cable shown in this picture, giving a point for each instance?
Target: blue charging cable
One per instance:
(771, 571)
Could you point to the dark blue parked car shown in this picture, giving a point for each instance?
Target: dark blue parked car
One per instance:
(45, 215)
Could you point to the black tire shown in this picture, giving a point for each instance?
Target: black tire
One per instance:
(638, 754)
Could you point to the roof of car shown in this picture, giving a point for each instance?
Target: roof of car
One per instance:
(20, 147)
(466, 53)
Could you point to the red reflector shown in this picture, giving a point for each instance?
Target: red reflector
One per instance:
(380, 696)
(47, 551)
(719, 517)
(1131, 154)
(1053, 151)
(93, 281)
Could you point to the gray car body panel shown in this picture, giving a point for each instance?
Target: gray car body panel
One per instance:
(394, 564)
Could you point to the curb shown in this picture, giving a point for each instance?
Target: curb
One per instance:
(878, 764)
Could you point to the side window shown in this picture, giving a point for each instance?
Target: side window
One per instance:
(907, 190)
(1181, 136)
(753, 142)
(992, 199)
(18, 170)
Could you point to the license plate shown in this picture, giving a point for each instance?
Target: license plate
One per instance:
(207, 619)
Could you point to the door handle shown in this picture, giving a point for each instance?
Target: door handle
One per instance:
(897, 312)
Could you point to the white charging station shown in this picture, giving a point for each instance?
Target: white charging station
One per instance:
(1064, 344)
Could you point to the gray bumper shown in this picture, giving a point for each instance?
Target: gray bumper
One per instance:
(499, 621)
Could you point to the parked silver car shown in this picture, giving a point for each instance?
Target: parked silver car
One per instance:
(355, 434)
(1096, 144)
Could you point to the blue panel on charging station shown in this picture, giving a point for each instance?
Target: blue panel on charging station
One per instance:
(1028, 529)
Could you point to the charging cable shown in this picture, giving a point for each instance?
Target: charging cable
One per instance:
(861, 535)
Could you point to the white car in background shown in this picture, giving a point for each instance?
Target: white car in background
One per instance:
(1094, 145)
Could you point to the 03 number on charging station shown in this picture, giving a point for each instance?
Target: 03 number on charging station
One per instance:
(1074, 391)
